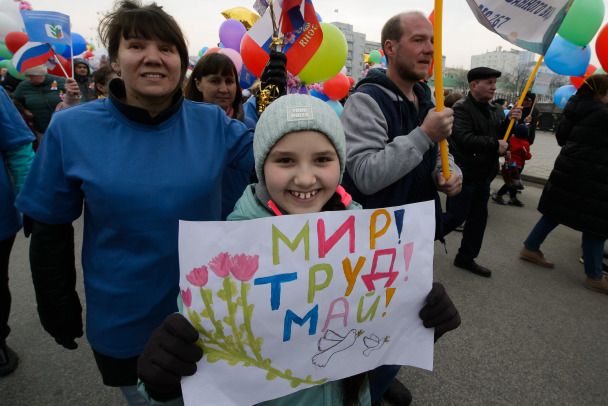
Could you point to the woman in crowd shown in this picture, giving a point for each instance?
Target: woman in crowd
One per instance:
(215, 80)
(137, 161)
(576, 194)
(102, 78)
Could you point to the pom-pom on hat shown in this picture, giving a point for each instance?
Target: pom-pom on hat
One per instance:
(291, 113)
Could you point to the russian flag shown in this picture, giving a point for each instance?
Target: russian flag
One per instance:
(32, 54)
(302, 37)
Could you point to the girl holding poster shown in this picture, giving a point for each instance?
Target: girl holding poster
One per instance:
(299, 150)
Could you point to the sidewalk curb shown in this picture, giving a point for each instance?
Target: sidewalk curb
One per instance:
(532, 178)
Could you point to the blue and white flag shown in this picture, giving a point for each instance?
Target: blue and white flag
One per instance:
(47, 26)
(531, 25)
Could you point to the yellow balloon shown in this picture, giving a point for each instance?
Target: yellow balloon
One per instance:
(245, 16)
(366, 58)
(329, 59)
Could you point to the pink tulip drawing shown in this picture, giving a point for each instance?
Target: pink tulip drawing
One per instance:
(219, 264)
(187, 297)
(198, 276)
(243, 267)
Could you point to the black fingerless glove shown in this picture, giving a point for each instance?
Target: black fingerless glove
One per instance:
(170, 354)
(439, 311)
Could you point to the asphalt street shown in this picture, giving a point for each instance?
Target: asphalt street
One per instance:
(529, 335)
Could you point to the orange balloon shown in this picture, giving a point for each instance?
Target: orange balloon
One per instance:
(337, 87)
(577, 81)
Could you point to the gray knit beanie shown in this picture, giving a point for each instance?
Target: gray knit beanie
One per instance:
(36, 71)
(296, 112)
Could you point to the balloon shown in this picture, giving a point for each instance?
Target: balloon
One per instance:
(88, 55)
(375, 56)
(78, 43)
(329, 58)
(343, 70)
(318, 95)
(318, 17)
(383, 61)
(381, 52)
(231, 34)
(583, 20)
(337, 87)
(200, 53)
(235, 56)
(567, 59)
(562, 94)
(4, 52)
(601, 47)
(246, 78)
(243, 15)
(211, 50)
(13, 71)
(577, 81)
(15, 40)
(4, 63)
(67, 53)
(254, 57)
(59, 48)
(351, 80)
(600, 71)
(67, 65)
(8, 24)
(336, 106)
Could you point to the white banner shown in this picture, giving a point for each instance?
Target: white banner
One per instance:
(529, 24)
(288, 302)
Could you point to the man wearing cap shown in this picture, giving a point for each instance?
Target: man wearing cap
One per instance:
(476, 142)
(82, 75)
(392, 134)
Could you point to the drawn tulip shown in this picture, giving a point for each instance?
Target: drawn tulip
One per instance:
(219, 264)
(243, 267)
(198, 276)
(187, 297)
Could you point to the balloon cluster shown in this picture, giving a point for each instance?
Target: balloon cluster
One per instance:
(326, 66)
(569, 53)
(13, 37)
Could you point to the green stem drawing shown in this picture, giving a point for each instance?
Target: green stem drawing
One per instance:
(230, 320)
(218, 346)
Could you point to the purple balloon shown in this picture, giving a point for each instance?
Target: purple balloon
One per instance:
(231, 34)
(565, 58)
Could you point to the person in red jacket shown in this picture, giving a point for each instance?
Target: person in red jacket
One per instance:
(519, 154)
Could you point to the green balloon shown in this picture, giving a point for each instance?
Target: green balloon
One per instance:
(13, 71)
(4, 52)
(375, 56)
(599, 71)
(4, 63)
(582, 22)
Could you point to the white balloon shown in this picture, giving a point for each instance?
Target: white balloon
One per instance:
(343, 70)
(7, 25)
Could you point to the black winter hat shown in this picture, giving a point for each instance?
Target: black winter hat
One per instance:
(482, 73)
(521, 132)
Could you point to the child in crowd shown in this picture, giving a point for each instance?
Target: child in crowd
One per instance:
(519, 154)
(299, 161)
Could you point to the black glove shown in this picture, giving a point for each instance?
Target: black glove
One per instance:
(439, 311)
(170, 354)
(63, 322)
(54, 276)
(275, 72)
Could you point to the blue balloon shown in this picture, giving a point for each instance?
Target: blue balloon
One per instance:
(336, 106)
(318, 17)
(78, 43)
(319, 95)
(59, 48)
(67, 53)
(565, 58)
(203, 50)
(563, 94)
(383, 60)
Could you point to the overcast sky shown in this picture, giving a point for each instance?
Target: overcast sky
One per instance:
(463, 36)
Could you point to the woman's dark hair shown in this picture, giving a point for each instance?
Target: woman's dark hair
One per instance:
(594, 86)
(132, 20)
(101, 77)
(213, 64)
(451, 99)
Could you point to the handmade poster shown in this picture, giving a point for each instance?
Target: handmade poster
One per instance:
(285, 303)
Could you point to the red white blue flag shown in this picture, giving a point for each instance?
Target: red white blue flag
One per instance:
(32, 54)
(302, 36)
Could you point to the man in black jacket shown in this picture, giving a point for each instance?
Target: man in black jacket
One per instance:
(476, 143)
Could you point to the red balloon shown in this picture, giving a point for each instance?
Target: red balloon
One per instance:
(337, 87)
(67, 65)
(432, 17)
(15, 40)
(254, 57)
(577, 81)
(351, 80)
(381, 52)
(601, 47)
(212, 50)
(88, 55)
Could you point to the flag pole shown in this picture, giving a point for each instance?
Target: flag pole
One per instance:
(438, 61)
(521, 99)
(57, 59)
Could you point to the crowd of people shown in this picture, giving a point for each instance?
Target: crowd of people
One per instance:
(163, 148)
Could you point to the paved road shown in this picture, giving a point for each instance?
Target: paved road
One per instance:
(530, 336)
